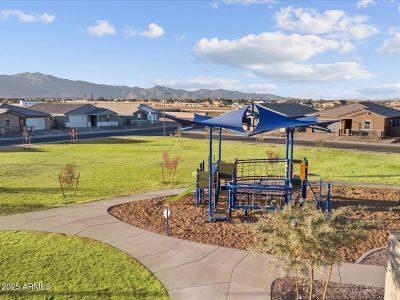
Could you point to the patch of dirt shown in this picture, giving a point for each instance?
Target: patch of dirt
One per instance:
(188, 222)
(377, 258)
(284, 289)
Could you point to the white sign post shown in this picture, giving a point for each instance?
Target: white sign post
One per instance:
(167, 213)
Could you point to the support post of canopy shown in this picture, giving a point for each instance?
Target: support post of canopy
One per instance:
(287, 154)
(219, 143)
(291, 154)
(210, 176)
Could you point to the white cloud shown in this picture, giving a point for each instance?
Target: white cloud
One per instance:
(102, 27)
(26, 17)
(365, 3)
(382, 90)
(392, 45)
(296, 72)
(279, 56)
(214, 83)
(153, 31)
(335, 23)
(264, 48)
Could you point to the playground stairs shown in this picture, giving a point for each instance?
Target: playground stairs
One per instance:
(221, 209)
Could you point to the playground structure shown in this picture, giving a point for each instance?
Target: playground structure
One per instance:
(264, 183)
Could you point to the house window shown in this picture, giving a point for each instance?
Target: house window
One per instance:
(67, 119)
(367, 125)
(8, 122)
(395, 122)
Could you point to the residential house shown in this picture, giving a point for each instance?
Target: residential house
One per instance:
(77, 115)
(130, 113)
(363, 119)
(14, 119)
(147, 113)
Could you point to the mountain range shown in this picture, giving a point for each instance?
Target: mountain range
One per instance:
(38, 85)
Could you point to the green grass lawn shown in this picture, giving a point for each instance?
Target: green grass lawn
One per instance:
(116, 166)
(75, 268)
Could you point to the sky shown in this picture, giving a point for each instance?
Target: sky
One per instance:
(310, 49)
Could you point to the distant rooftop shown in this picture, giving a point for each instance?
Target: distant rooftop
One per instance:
(71, 109)
(122, 108)
(25, 112)
(290, 109)
(57, 108)
(378, 109)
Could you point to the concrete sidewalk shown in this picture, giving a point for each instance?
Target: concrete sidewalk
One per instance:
(187, 269)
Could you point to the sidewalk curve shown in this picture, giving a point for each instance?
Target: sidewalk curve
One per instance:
(187, 269)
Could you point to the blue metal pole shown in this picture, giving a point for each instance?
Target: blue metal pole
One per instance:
(210, 173)
(304, 182)
(328, 200)
(287, 154)
(219, 143)
(291, 155)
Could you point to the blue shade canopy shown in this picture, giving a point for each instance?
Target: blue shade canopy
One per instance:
(200, 118)
(232, 120)
(269, 120)
(309, 119)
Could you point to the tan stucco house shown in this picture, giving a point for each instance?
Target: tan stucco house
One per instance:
(363, 119)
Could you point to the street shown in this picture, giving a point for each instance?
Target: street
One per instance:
(372, 147)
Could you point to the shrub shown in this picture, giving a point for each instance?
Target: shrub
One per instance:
(319, 143)
(169, 166)
(69, 178)
(303, 239)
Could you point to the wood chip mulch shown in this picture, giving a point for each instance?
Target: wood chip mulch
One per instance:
(188, 222)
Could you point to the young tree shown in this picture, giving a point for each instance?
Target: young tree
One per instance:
(273, 157)
(69, 178)
(304, 240)
(319, 142)
(169, 166)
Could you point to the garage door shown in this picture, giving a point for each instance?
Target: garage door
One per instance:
(36, 123)
(77, 121)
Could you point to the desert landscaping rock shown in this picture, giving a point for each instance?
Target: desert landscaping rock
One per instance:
(377, 258)
(284, 289)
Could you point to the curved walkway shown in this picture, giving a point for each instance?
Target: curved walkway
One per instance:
(187, 269)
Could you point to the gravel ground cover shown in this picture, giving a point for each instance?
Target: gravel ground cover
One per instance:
(284, 289)
(377, 258)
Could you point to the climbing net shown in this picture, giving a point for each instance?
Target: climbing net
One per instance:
(260, 171)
